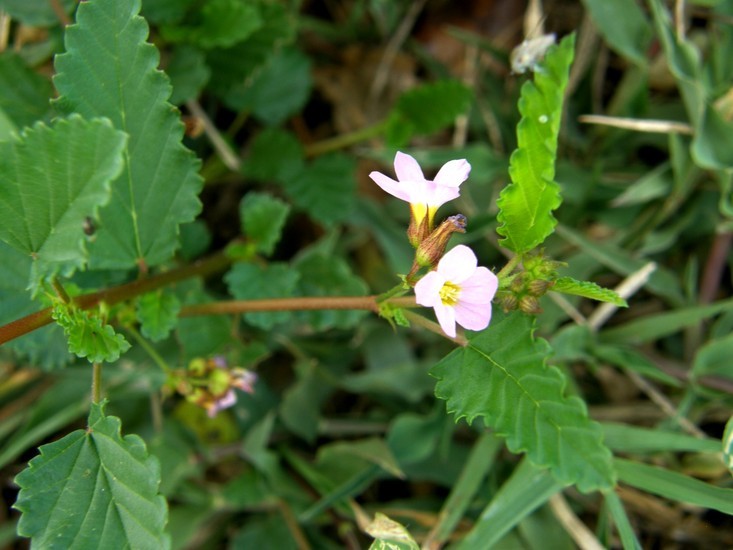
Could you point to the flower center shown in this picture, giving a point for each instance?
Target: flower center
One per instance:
(449, 293)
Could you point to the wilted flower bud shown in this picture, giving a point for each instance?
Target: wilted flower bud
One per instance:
(432, 248)
(509, 302)
(538, 287)
(530, 304)
(417, 231)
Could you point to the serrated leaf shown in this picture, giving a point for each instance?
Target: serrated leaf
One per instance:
(586, 289)
(35, 13)
(275, 155)
(51, 179)
(263, 218)
(501, 377)
(88, 335)
(325, 189)
(158, 314)
(432, 107)
(526, 204)
(93, 489)
(24, 94)
(278, 91)
(109, 70)
(231, 67)
(323, 274)
(252, 282)
(188, 73)
(220, 24)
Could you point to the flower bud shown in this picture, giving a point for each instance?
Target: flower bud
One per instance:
(530, 304)
(432, 248)
(538, 287)
(509, 302)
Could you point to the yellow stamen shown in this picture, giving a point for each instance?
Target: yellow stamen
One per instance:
(449, 294)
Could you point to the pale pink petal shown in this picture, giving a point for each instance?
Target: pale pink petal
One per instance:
(229, 399)
(438, 195)
(480, 287)
(427, 289)
(407, 168)
(394, 188)
(473, 316)
(453, 173)
(446, 318)
(458, 264)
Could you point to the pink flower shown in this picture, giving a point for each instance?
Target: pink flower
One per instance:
(424, 196)
(459, 291)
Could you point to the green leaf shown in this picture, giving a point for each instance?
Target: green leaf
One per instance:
(526, 489)
(728, 444)
(325, 189)
(88, 335)
(220, 24)
(159, 12)
(389, 535)
(252, 282)
(527, 203)
(188, 73)
(263, 218)
(711, 145)
(278, 91)
(501, 376)
(713, 359)
(624, 26)
(275, 155)
(158, 314)
(51, 179)
(675, 486)
(323, 274)
(632, 439)
(35, 13)
(432, 107)
(93, 489)
(586, 289)
(109, 70)
(24, 94)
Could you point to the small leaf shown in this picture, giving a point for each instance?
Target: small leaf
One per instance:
(24, 94)
(36, 13)
(278, 91)
(51, 179)
(110, 70)
(93, 489)
(88, 335)
(432, 107)
(501, 376)
(158, 314)
(586, 289)
(325, 189)
(263, 218)
(324, 274)
(188, 73)
(527, 203)
(251, 282)
(389, 535)
(275, 155)
(728, 445)
(220, 24)
(624, 26)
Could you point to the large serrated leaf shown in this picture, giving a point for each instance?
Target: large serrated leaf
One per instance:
(93, 489)
(527, 203)
(568, 285)
(51, 179)
(501, 376)
(109, 70)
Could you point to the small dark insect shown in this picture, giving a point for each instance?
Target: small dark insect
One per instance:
(88, 226)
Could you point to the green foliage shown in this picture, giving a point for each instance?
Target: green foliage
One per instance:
(219, 24)
(109, 70)
(728, 445)
(35, 12)
(624, 26)
(568, 285)
(501, 377)
(263, 218)
(51, 179)
(390, 535)
(88, 335)
(158, 314)
(526, 204)
(188, 72)
(24, 94)
(93, 489)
